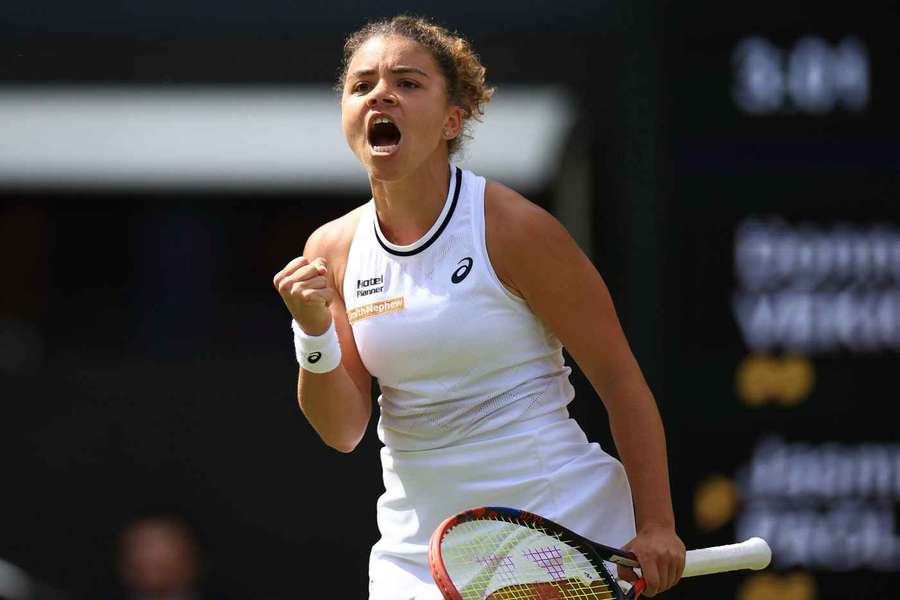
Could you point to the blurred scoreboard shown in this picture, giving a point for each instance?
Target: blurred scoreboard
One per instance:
(782, 311)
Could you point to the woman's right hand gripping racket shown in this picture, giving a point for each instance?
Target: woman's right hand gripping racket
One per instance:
(496, 553)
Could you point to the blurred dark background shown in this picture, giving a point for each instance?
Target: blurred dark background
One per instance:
(732, 170)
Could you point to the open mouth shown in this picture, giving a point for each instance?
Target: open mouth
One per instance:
(384, 135)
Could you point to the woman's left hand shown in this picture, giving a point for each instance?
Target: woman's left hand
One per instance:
(660, 552)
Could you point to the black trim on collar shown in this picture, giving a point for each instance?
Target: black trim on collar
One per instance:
(436, 233)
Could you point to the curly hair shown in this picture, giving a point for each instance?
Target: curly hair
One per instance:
(460, 66)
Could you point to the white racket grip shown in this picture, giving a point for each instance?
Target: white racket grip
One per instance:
(751, 554)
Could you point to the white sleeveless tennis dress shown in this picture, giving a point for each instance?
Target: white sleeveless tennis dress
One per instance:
(474, 395)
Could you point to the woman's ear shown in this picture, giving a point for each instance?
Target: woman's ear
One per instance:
(453, 123)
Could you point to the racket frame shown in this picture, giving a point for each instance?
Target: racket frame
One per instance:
(597, 552)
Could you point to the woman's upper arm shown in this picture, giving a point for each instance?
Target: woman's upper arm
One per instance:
(332, 242)
(535, 255)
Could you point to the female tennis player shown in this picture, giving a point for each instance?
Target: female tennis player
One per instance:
(458, 295)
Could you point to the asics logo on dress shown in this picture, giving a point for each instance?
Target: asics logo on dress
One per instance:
(462, 272)
(367, 287)
(314, 357)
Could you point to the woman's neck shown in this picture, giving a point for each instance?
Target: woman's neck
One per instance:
(407, 208)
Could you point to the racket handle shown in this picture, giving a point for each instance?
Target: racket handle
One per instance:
(751, 554)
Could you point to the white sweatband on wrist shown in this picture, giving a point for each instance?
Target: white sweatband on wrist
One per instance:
(317, 353)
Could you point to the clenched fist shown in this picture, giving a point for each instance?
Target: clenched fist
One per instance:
(307, 292)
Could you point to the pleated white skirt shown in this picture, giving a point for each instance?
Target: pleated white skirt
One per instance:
(545, 465)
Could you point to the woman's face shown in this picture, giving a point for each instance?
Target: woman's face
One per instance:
(395, 113)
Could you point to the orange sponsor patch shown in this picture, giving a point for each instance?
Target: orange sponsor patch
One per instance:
(375, 308)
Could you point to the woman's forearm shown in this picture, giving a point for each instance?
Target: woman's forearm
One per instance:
(640, 440)
(336, 408)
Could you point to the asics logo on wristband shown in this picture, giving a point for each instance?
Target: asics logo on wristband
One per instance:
(317, 353)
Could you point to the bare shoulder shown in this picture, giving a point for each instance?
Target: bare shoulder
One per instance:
(331, 241)
(511, 217)
(516, 230)
(334, 237)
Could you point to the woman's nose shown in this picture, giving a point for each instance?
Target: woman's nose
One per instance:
(381, 95)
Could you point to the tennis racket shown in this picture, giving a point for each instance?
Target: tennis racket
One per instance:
(496, 553)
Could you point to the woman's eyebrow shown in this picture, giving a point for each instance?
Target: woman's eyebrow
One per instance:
(398, 70)
(403, 70)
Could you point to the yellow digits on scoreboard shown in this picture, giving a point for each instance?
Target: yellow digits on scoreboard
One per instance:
(786, 380)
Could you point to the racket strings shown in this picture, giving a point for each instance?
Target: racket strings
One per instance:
(510, 560)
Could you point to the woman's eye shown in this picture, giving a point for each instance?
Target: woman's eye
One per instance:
(361, 87)
(408, 83)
